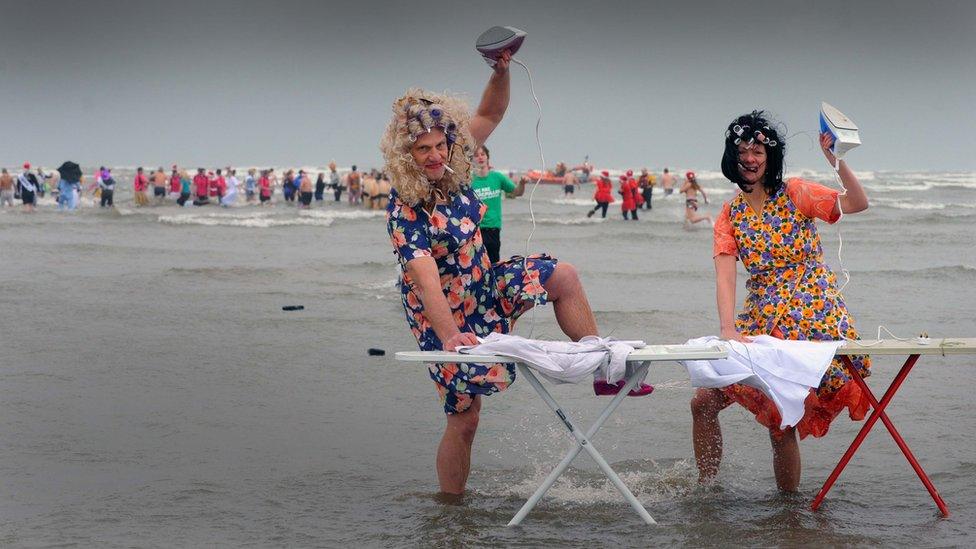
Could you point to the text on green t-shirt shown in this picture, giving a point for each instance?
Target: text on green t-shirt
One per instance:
(489, 190)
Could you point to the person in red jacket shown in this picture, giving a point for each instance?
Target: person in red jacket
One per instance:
(216, 182)
(639, 200)
(219, 184)
(201, 184)
(603, 194)
(628, 190)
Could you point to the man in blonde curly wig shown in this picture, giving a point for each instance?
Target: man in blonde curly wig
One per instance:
(451, 291)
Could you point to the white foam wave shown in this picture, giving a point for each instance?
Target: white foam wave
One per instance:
(916, 205)
(964, 179)
(569, 220)
(704, 174)
(572, 201)
(887, 187)
(654, 483)
(342, 214)
(239, 221)
(826, 175)
(384, 285)
(721, 190)
(953, 184)
(124, 212)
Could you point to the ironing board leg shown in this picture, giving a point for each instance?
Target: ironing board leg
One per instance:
(879, 413)
(582, 443)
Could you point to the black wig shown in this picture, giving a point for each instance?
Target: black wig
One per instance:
(754, 128)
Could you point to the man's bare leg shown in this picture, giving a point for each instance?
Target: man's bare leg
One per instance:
(454, 451)
(573, 312)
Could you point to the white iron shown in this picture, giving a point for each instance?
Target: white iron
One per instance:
(842, 128)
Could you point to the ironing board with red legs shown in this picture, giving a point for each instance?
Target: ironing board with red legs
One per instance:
(913, 349)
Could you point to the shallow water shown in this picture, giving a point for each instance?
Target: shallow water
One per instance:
(155, 394)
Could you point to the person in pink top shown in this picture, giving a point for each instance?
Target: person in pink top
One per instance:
(213, 183)
(174, 183)
(264, 187)
(139, 186)
(219, 185)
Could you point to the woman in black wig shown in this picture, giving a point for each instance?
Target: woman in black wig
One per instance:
(792, 294)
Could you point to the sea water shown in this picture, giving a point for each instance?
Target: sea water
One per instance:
(154, 393)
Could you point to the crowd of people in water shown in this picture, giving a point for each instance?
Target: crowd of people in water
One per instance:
(370, 189)
(221, 187)
(635, 192)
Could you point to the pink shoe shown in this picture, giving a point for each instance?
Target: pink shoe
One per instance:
(602, 388)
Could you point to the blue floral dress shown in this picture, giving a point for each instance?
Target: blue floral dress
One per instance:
(483, 298)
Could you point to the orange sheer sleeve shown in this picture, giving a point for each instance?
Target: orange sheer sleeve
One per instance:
(724, 238)
(814, 199)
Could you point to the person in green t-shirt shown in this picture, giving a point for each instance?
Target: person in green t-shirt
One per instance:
(489, 186)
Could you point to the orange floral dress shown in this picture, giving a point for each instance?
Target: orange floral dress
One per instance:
(792, 294)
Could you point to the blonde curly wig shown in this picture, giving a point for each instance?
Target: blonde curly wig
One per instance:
(415, 114)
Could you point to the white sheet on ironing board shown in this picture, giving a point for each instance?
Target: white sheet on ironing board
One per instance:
(563, 361)
(784, 370)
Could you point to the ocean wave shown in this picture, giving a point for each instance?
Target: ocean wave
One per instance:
(886, 188)
(964, 179)
(567, 220)
(256, 222)
(371, 266)
(384, 285)
(920, 185)
(826, 175)
(700, 174)
(730, 189)
(342, 214)
(908, 204)
(960, 271)
(126, 212)
(572, 201)
(938, 217)
(707, 274)
(225, 272)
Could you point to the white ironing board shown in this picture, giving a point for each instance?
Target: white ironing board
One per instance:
(643, 357)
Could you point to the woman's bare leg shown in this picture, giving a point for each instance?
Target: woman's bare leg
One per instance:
(786, 460)
(705, 431)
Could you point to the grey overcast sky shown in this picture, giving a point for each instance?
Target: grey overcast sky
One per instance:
(628, 83)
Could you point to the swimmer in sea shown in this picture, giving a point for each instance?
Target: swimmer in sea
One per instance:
(646, 183)
(305, 190)
(667, 182)
(6, 189)
(264, 187)
(159, 181)
(691, 188)
(250, 185)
